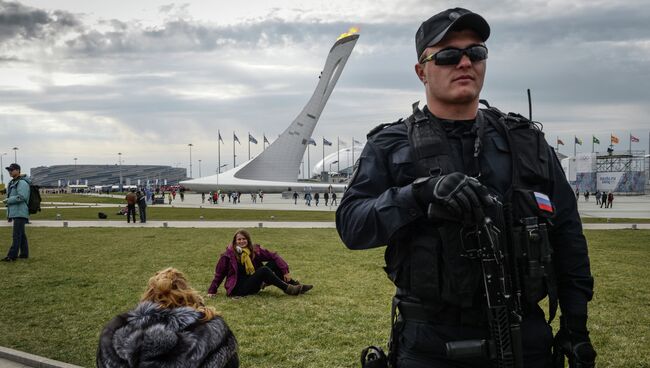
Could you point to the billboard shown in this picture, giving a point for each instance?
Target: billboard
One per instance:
(621, 181)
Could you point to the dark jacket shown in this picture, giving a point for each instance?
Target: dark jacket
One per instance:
(227, 267)
(150, 336)
(379, 208)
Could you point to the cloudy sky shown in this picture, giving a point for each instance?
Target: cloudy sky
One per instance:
(88, 79)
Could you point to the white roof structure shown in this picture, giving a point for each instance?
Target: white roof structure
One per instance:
(277, 168)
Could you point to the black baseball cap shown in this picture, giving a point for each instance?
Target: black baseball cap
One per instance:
(13, 167)
(434, 29)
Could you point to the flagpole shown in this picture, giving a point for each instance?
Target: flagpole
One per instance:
(263, 141)
(218, 153)
(557, 143)
(352, 153)
(338, 155)
(308, 161)
(630, 143)
(234, 156)
(574, 146)
(323, 154)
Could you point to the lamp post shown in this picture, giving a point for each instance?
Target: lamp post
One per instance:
(15, 154)
(119, 163)
(199, 168)
(2, 169)
(190, 145)
(331, 163)
(75, 170)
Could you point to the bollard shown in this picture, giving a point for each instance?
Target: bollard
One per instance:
(201, 217)
(609, 220)
(58, 216)
(260, 225)
(65, 223)
(164, 224)
(634, 227)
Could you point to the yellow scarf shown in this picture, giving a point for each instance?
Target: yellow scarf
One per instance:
(245, 260)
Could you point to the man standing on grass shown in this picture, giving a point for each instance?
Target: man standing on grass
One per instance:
(430, 188)
(17, 212)
(131, 200)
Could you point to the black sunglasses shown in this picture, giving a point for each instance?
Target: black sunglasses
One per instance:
(452, 55)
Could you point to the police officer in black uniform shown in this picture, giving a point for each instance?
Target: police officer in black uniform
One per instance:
(421, 182)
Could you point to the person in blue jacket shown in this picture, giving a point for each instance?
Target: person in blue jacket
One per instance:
(17, 212)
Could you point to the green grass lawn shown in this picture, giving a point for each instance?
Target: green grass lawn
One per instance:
(56, 303)
(184, 214)
(80, 198)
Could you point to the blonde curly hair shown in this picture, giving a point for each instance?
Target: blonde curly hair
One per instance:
(169, 289)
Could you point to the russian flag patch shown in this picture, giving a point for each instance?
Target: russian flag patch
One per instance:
(543, 202)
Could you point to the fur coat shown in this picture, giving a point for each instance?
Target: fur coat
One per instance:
(150, 336)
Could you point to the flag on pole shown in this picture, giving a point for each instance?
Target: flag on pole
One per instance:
(342, 142)
(559, 141)
(578, 140)
(266, 140)
(234, 137)
(221, 139)
(356, 142)
(312, 141)
(614, 139)
(595, 140)
(326, 142)
(252, 139)
(633, 138)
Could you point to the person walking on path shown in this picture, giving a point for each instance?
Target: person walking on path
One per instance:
(316, 198)
(326, 196)
(597, 195)
(603, 200)
(17, 212)
(610, 199)
(295, 197)
(131, 200)
(334, 202)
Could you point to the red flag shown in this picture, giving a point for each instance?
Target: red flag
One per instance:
(633, 138)
(614, 139)
(559, 141)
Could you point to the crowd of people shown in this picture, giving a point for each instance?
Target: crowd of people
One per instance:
(602, 198)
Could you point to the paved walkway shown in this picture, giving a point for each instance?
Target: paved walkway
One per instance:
(10, 358)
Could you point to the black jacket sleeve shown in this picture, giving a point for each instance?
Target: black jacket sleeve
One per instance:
(575, 283)
(374, 207)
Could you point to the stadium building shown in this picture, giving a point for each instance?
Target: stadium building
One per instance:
(103, 175)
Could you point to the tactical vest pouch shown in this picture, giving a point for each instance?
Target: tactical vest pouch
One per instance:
(413, 263)
(531, 155)
(532, 248)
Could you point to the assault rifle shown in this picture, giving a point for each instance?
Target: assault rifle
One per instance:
(502, 294)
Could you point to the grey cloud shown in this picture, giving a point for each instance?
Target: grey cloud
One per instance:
(19, 21)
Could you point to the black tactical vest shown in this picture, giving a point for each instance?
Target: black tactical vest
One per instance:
(430, 261)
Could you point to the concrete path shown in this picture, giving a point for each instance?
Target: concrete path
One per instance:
(10, 358)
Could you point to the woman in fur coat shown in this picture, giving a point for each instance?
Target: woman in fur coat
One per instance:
(171, 327)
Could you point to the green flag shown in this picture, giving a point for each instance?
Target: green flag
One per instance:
(595, 140)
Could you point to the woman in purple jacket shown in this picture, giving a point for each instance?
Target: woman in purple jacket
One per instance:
(243, 267)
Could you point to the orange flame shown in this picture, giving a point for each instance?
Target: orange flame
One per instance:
(350, 32)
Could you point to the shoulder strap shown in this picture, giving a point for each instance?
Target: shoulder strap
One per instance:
(429, 143)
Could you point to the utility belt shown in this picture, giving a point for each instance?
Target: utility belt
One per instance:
(445, 315)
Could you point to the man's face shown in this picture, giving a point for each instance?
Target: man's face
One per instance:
(14, 173)
(453, 84)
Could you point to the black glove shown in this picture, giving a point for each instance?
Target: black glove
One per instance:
(454, 196)
(572, 340)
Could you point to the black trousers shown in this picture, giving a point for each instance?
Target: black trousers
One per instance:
(269, 274)
(130, 212)
(422, 344)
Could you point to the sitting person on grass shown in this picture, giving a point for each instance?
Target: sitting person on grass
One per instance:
(171, 327)
(243, 267)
